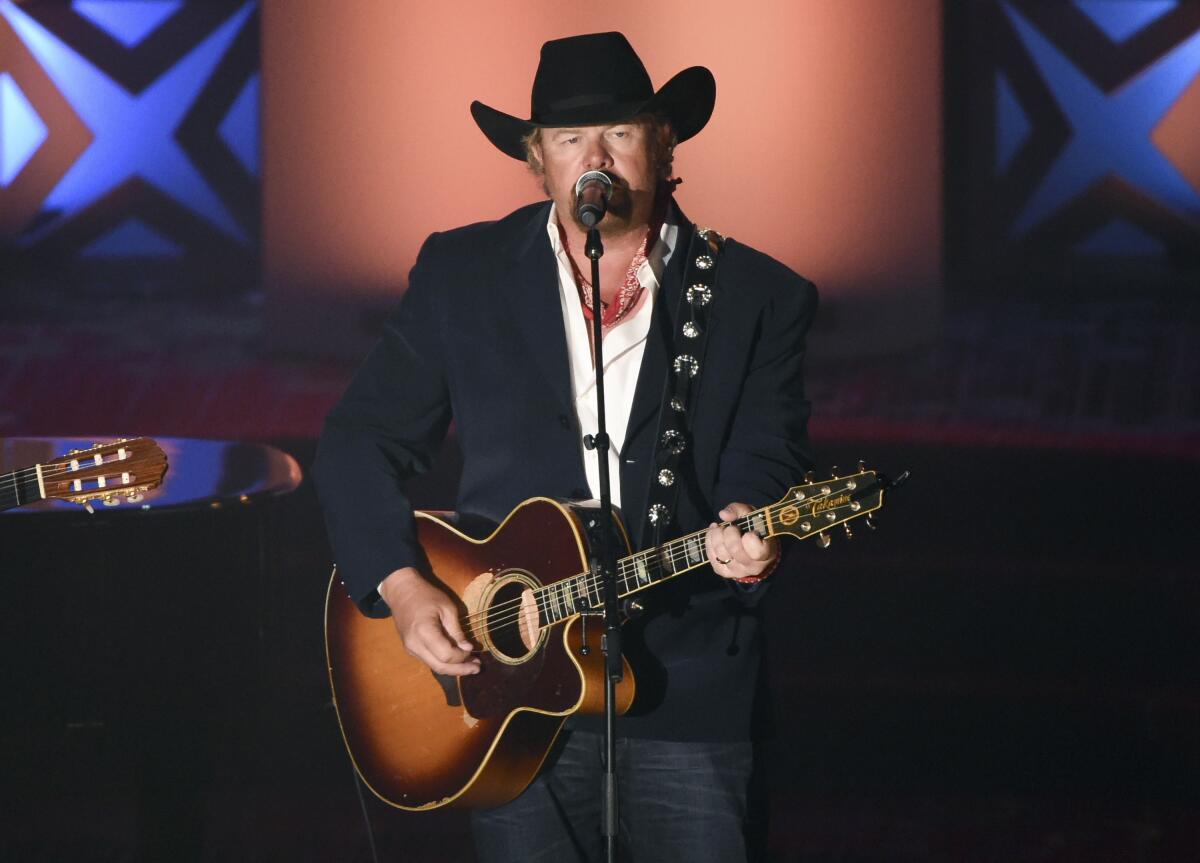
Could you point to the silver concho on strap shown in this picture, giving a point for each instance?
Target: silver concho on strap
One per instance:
(704, 262)
(658, 513)
(677, 404)
(686, 363)
(691, 330)
(699, 295)
(674, 441)
(666, 478)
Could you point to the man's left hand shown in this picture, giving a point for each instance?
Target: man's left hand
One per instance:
(734, 554)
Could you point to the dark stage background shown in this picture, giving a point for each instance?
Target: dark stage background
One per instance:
(207, 207)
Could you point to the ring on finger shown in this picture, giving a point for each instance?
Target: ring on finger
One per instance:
(725, 561)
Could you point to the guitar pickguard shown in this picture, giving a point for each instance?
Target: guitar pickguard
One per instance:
(449, 685)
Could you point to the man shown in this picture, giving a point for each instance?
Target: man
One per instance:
(493, 333)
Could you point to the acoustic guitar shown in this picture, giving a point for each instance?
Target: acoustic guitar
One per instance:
(105, 472)
(421, 740)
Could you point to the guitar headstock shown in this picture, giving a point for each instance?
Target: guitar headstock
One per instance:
(106, 472)
(816, 506)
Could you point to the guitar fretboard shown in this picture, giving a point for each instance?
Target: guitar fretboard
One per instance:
(583, 593)
(19, 488)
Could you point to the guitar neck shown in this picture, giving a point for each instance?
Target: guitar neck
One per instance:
(806, 511)
(656, 565)
(21, 487)
(582, 593)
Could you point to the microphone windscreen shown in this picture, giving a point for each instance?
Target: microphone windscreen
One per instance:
(596, 177)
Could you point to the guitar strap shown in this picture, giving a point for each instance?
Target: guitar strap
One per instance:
(682, 384)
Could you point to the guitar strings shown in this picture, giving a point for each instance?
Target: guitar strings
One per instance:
(507, 616)
(510, 612)
(87, 464)
(53, 470)
(541, 594)
(676, 552)
(57, 466)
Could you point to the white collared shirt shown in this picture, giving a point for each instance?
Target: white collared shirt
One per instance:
(624, 345)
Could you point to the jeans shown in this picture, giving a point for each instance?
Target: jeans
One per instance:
(677, 801)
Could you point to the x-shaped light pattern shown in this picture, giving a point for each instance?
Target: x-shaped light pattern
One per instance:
(134, 133)
(1110, 133)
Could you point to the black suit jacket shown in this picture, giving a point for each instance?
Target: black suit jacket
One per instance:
(478, 339)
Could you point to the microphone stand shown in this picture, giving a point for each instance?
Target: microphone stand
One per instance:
(606, 563)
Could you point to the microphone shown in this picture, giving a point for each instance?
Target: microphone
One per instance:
(592, 191)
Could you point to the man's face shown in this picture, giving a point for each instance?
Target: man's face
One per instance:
(623, 151)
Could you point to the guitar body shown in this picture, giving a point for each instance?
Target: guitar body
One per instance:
(420, 740)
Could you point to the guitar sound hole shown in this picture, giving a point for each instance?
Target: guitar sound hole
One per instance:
(504, 619)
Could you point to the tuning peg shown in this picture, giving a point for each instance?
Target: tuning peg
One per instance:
(870, 521)
(809, 476)
(833, 472)
(849, 532)
(135, 497)
(862, 466)
(112, 500)
(824, 539)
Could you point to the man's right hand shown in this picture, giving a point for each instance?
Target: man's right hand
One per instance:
(427, 620)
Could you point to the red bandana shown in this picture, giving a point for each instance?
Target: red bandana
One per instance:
(631, 289)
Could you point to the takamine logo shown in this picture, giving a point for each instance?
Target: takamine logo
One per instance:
(830, 503)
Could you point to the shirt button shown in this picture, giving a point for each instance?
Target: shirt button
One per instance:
(564, 421)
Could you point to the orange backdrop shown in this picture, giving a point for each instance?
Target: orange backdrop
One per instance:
(824, 149)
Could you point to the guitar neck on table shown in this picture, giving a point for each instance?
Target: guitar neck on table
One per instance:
(105, 472)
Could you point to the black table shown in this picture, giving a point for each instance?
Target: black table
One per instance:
(134, 640)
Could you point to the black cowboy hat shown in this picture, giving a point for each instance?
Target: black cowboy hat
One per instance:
(595, 79)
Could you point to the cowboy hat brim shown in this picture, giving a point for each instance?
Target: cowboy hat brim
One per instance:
(686, 100)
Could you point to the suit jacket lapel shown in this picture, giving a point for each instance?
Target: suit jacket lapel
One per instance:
(535, 307)
(647, 397)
